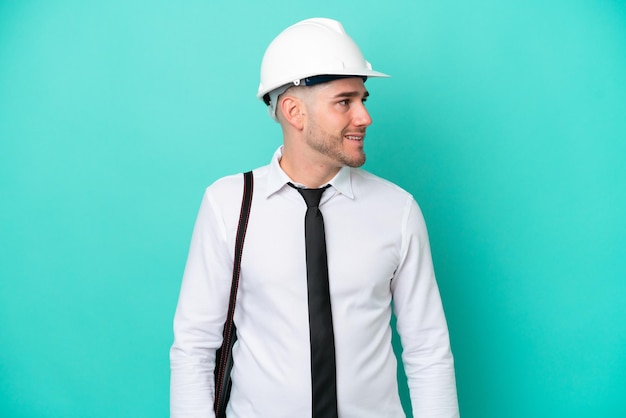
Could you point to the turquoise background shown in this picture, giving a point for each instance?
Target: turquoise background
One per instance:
(505, 119)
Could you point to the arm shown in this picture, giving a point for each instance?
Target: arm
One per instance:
(200, 315)
(421, 324)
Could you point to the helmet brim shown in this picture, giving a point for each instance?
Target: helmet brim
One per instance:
(335, 75)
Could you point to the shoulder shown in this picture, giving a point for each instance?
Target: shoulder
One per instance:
(365, 183)
(385, 198)
(224, 194)
(226, 185)
(231, 185)
(386, 201)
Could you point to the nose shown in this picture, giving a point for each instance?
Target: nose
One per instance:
(362, 117)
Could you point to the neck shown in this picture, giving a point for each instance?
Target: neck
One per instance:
(303, 169)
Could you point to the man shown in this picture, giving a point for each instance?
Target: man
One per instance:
(312, 79)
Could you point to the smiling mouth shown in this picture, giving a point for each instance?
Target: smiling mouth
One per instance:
(355, 137)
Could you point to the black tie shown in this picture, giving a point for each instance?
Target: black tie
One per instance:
(323, 379)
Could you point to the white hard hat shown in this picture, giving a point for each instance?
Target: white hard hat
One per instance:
(312, 47)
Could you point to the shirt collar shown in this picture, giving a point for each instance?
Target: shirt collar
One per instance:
(277, 178)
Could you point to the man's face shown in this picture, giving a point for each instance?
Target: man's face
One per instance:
(336, 122)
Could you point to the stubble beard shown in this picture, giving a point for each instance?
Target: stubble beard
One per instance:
(332, 146)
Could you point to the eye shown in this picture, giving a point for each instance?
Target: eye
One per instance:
(344, 102)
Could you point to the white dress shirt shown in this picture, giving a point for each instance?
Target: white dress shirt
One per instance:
(378, 251)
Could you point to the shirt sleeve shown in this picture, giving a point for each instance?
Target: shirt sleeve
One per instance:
(422, 326)
(200, 315)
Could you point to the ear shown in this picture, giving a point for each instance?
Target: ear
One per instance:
(293, 110)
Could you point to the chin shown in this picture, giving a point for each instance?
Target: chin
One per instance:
(355, 162)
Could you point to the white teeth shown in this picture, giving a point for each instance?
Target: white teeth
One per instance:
(355, 138)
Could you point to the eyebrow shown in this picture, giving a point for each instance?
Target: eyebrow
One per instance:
(350, 94)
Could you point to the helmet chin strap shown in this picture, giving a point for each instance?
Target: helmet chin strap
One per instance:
(272, 100)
